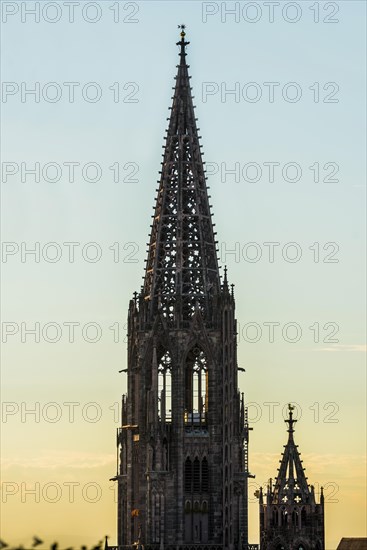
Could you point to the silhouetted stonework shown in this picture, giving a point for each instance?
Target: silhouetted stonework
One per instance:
(290, 519)
(182, 478)
(352, 544)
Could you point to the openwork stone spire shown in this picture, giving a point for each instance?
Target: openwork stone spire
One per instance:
(290, 517)
(291, 483)
(182, 266)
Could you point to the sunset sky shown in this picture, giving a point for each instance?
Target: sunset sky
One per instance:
(278, 91)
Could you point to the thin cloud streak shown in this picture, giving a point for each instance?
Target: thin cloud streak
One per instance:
(52, 460)
(344, 347)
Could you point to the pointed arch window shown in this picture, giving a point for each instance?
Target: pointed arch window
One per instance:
(204, 476)
(196, 387)
(188, 475)
(165, 388)
(196, 476)
(303, 517)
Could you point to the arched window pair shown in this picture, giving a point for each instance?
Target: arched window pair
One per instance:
(196, 387)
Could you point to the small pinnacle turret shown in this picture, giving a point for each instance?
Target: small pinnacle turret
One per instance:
(291, 518)
(291, 482)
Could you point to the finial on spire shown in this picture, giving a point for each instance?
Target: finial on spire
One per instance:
(182, 34)
(182, 43)
(290, 420)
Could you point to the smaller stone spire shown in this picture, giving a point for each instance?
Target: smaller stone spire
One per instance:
(291, 517)
(291, 483)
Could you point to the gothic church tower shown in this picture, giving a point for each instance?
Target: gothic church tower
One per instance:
(290, 518)
(182, 477)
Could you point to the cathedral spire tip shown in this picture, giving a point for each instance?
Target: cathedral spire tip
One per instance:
(290, 420)
(182, 43)
(182, 27)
